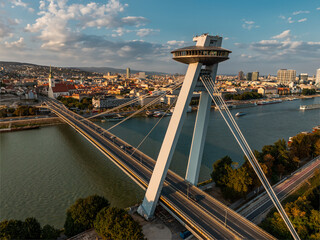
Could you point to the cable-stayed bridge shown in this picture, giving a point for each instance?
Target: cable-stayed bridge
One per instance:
(206, 217)
(202, 214)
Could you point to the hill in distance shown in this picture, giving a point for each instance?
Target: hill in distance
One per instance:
(86, 69)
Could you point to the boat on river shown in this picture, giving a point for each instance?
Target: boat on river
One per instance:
(269, 102)
(116, 118)
(308, 107)
(239, 114)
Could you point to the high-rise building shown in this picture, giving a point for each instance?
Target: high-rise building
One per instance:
(142, 75)
(240, 75)
(128, 72)
(303, 77)
(255, 76)
(286, 76)
(318, 76)
(249, 76)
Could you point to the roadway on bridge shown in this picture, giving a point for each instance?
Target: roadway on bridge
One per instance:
(205, 216)
(263, 203)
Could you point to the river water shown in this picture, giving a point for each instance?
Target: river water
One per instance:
(44, 171)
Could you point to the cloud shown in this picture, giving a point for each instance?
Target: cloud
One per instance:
(284, 34)
(302, 20)
(290, 20)
(246, 56)
(17, 44)
(56, 21)
(300, 12)
(249, 24)
(7, 26)
(146, 31)
(286, 49)
(318, 8)
(20, 3)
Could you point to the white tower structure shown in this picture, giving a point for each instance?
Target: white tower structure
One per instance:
(202, 59)
(318, 77)
(51, 84)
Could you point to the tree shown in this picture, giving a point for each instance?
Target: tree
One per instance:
(12, 229)
(237, 182)
(49, 232)
(32, 228)
(219, 169)
(81, 215)
(115, 223)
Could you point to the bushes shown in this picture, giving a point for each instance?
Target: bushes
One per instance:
(243, 96)
(94, 211)
(29, 229)
(114, 223)
(81, 215)
(275, 160)
(303, 213)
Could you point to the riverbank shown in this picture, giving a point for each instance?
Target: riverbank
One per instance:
(18, 124)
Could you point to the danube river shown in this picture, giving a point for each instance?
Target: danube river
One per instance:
(44, 171)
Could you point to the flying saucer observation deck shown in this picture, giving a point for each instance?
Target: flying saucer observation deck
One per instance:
(206, 55)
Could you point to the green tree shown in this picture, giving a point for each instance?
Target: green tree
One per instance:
(219, 169)
(237, 182)
(117, 224)
(32, 228)
(12, 229)
(81, 215)
(49, 232)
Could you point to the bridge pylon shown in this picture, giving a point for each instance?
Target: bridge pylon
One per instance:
(202, 59)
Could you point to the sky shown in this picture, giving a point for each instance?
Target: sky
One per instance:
(263, 35)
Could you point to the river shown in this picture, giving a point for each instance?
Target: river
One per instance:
(44, 171)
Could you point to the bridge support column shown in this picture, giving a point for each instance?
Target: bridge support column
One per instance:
(169, 143)
(200, 133)
(198, 139)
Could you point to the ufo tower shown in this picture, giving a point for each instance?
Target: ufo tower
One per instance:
(202, 59)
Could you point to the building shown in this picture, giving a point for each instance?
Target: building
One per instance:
(318, 77)
(267, 90)
(255, 76)
(240, 75)
(128, 72)
(142, 75)
(303, 77)
(109, 102)
(249, 76)
(285, 76)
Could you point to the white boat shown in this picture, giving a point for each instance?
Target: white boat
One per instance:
(118, 117)
(308, 107)
(239, 114)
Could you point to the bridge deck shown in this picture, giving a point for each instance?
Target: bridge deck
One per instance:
(204, 215)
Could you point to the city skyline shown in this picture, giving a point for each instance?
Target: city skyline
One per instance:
(264, 36)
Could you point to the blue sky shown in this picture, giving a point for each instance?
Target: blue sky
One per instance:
(263, 35)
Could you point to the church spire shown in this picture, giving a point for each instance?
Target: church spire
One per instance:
(50, 74)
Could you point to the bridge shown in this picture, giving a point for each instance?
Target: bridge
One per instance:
(203, 215)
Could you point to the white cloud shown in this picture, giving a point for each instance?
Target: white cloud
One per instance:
(17, 44)
(300, 12)
(246, 56)
(286, 49)
(318, 8)
(249, 24)
(284, 34)
(55, 17)
(302, 20)
(20, 3)
(146, 31)
(290, 20)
